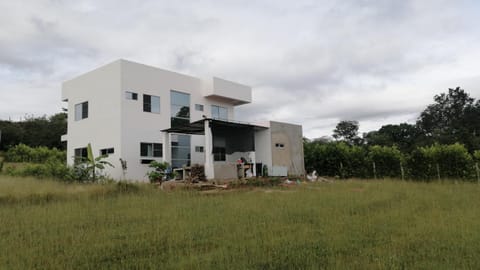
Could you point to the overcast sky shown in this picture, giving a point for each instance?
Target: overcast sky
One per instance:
(309, 62)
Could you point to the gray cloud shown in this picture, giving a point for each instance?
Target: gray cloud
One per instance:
(310, 62)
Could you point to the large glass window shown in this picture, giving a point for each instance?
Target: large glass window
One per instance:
(219, 112)
(151, 150)
(81, 111)
(179, 108)
(151, 104)
(180, 150)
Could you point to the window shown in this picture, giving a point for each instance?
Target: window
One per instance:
(279, 145)
(179, 109)
(80, 154)
(131, 95)
(146, 161)
(106, 151)
(199, 149)
(151, 150)
(199, 107)
(219, 154)
(219, 112)
(81, 111)
(151, 104)
(180, 150)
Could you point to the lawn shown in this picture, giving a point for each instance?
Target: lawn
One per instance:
(344, 225)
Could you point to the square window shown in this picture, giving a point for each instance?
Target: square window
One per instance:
(81, 111)
(199, 149)
(151, 150)
(199, 107)
(131, 95)
(151, 104)
(106, 151)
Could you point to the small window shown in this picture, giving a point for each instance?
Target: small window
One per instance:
(219, 154)
(81, 111)
(199, 149)
(80, 154)
(151, 104)
(131, 95)
(220, 113)
(146, 161)
(151, 150)
(199, 107)
(106, 151)
(279, 145)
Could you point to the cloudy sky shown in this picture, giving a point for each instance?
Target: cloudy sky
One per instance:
(310, 62)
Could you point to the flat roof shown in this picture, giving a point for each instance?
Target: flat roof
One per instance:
(198, 127)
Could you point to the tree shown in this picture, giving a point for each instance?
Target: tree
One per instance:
(347, 131)
(404, 136)
(454, 117)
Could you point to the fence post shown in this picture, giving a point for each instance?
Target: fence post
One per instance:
(402, 171)
(341, 170)
(438, 172)
(374, 170)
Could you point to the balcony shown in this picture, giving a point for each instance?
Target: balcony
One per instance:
(228, 92)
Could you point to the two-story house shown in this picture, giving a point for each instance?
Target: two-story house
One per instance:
(137, 113)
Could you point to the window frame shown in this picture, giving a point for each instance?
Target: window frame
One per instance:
(81, 111)
(148, 102)
(131, 95)
(156, 150)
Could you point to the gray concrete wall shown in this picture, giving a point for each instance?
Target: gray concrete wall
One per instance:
(287, 148)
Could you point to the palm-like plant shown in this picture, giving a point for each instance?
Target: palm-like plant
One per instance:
(93, 163)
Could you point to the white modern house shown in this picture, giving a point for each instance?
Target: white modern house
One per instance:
(137, 113)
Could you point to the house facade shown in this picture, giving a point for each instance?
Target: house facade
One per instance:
(136, 113)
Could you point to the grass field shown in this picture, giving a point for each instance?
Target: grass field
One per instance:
(344, 225)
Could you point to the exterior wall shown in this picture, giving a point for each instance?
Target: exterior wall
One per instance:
(290, 156)
(139, 126)
(101, 129)
(263, 148)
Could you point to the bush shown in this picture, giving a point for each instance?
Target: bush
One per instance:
(387, 160)
(24, 153)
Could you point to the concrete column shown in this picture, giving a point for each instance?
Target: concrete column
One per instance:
(209, 170)
(167, 149)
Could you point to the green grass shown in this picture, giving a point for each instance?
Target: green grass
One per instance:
(344, 225)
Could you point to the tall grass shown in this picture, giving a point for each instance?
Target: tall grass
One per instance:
(351, 224)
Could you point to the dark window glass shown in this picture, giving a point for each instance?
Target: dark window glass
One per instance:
(146, 161)
(151, 150)
(131, 95)
(199, 149)
(219, 154)
(106, 151)
(81, 111)
(80, 154)
(179, 108)
(147, 103)
(180, 150)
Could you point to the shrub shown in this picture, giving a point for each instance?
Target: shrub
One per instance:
(24, 153)
(387, 160)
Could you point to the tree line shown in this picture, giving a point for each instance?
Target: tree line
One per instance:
(34, 131)
(443, 143)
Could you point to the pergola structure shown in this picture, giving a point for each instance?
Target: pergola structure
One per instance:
(229, 136)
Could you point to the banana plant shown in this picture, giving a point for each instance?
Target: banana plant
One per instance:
(94, 163)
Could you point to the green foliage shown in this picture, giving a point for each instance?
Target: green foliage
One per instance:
(341, 225)
(90, 168)
(34, 131)
(50, 169)
(347, 131)
(387, 161)
(24, 153)
(444, 161)
(159, 172)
